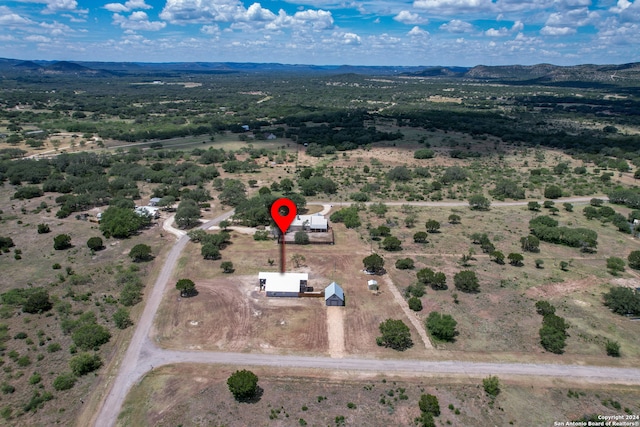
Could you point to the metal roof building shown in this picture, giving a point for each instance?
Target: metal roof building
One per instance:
(283, 284)
(333, 295)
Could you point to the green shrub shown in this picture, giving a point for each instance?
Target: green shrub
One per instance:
(64, 381)
(85, 363)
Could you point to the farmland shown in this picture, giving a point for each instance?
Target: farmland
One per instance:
(400, 151)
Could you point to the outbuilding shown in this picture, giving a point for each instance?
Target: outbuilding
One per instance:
(372, 285)
(283, 284)
(333, 295)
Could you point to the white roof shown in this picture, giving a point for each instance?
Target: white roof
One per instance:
(282, 282)
(372, 282)
(314, 221)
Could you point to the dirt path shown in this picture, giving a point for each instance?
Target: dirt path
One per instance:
(413, 318)
(133, 365)
(335, 331)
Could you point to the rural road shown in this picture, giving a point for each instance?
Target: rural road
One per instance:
(142, 354)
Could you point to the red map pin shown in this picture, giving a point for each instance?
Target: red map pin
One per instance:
(283, 221)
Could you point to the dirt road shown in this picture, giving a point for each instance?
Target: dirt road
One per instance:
(133, 366)
(142, 354)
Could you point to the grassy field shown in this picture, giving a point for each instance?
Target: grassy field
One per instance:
(85, 280)
(194, 395)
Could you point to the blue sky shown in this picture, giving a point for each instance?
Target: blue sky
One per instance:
(368, 32)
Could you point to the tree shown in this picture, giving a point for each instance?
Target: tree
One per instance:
(90, 336)
(415, 304)
(298, 260)
(613, 348)
(61, 242)
(395, 334)
(615, 265)
(441, 326)
(432, 226)
(491, 386)
(186, 287)
(227, 267)
(404, 264)
(301, 238)
(530, 243)
(85, 363)
(141, 252)
(210, 251)
(95, 243)
(498, 257)
(454, 219)
(545, 308)
(568, 207)
(533, 206)
(37, 302)
(420, 237)
(552, 192)
(399, 173)
(43, 228)
(121, 318)
(429, 403)
(243, 384)
(564, 265)
(622, 300)
(539, 262)
(515, 259)
(466, 281)
(233, 192)
(224, 224)
(187, 214)
(373, 263)
(392, 243)
(634, 260)
(121, 222)
(478, 202)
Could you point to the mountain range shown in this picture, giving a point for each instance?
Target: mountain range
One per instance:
(540, 73)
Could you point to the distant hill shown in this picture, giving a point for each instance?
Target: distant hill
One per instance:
(512, 74)
(548, 73)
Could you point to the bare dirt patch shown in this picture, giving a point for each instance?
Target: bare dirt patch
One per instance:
(197, 395)
(229, 313)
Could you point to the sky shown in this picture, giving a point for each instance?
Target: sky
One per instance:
(324, 32)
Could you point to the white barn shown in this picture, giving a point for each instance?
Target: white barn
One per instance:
(283, 284)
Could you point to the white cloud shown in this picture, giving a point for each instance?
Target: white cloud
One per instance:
(410, 18)
(351, 39)
(200, 11)
(212, 30)
(418, 32)
(316, 20)
(56, 29)
(116, 7)
(557, 31)
(56, 6)
(628, 11)
(11, 19)
(453, 6)
(137, 21)
(503, 31)
(37, 39)
(457, 26)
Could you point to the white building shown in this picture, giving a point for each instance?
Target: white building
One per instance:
(315, 222)
(283, 284)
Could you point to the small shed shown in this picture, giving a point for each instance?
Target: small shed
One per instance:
(373, 285)
(333, 295)
(154, 201)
